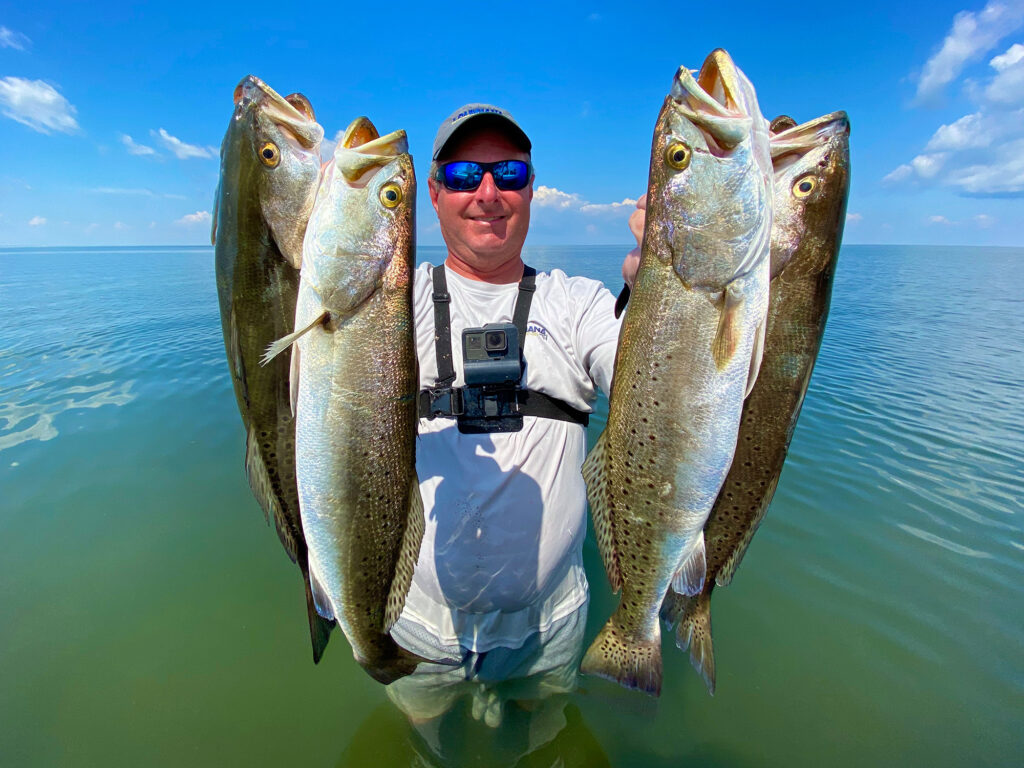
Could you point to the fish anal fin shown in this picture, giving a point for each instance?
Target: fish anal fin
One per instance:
(694, 632)
(319, 627)
(629, 663)
(279, 346)
(600, 510)
(216, 211)
(321, 602)
(728, 570)
(730, 327)
(689, 576)
(408, 554)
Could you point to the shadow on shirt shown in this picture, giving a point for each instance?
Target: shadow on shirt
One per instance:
(486, 548)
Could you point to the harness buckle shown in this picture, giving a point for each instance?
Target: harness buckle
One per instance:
(445, 401)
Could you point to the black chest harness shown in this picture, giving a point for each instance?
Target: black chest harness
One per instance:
(484, 408)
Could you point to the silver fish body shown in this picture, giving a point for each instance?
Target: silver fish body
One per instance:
(688, 352)
(356, 373)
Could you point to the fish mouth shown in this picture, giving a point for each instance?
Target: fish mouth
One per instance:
(362, 151)
(293, 113)
(714, 100)
(801, 138)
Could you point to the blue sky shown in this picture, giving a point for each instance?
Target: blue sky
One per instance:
(112, 113)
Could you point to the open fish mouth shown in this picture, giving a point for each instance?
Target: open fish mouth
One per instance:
(293, 113)
(362, 151)
(813, 133)
(714, 101)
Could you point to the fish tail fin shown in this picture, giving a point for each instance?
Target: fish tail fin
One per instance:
(319, 627)
(694, 632)
(616, 657)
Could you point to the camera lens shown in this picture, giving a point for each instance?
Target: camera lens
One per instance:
(494, 341)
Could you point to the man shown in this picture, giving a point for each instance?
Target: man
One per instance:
(499, 593)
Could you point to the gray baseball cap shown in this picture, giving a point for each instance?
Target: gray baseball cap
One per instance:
(479, 114)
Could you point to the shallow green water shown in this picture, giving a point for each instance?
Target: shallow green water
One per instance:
(149, 616)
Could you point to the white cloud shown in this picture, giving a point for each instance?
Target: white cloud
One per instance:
(939, 220)
(928, 166)
(11, 39)
(627, 204)
(901, 173)
(36, 221)
(37, 105)
(180, 149)
(984, 221)
(136, 149)
(92, 227)
(549, 197)
(191, 219)
(1007, 87)
(972, 35)
(853, 218)
(1014, 54)
(120, 225)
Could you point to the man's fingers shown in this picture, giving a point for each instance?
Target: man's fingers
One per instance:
(636, 220)
(630, 266)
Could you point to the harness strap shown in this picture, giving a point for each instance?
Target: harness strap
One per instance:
(443, 329)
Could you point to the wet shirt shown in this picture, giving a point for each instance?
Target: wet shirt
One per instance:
(506, 512)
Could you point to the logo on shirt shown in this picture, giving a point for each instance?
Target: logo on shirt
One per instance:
(536, 329)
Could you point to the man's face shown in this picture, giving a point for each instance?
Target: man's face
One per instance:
(485, 228)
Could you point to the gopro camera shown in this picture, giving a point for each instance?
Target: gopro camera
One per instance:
(490, 355)
(492, 368)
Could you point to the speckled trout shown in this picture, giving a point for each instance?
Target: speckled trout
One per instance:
(812, 179)
(269, 173)
(688, 352)
(355, 376)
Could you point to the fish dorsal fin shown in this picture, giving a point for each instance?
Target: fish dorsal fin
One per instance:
(408, 554)
(600, 510)
(724, 576)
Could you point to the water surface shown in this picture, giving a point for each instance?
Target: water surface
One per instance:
(149, 616)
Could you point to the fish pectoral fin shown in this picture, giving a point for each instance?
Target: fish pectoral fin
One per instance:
(730, 326)
(689, 576)
(756, 356)
(279, 346)
(600, 510)
(216, 210)
(408, 554)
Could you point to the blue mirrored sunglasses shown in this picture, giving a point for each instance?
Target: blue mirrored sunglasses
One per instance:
(466, 175)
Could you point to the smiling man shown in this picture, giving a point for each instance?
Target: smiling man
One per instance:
(510, 364)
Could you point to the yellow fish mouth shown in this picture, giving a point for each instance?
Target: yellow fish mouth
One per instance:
(713, 101)
(813, 133)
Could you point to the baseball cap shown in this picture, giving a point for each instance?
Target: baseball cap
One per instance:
(480, 113)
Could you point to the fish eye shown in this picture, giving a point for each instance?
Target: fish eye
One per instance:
(390, 195)
(270, 155)
(678, 155)
(804, 186)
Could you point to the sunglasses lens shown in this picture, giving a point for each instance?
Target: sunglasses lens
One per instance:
(511, 174)
(462, 176)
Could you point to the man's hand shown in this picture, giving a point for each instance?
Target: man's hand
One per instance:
(636, 226)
